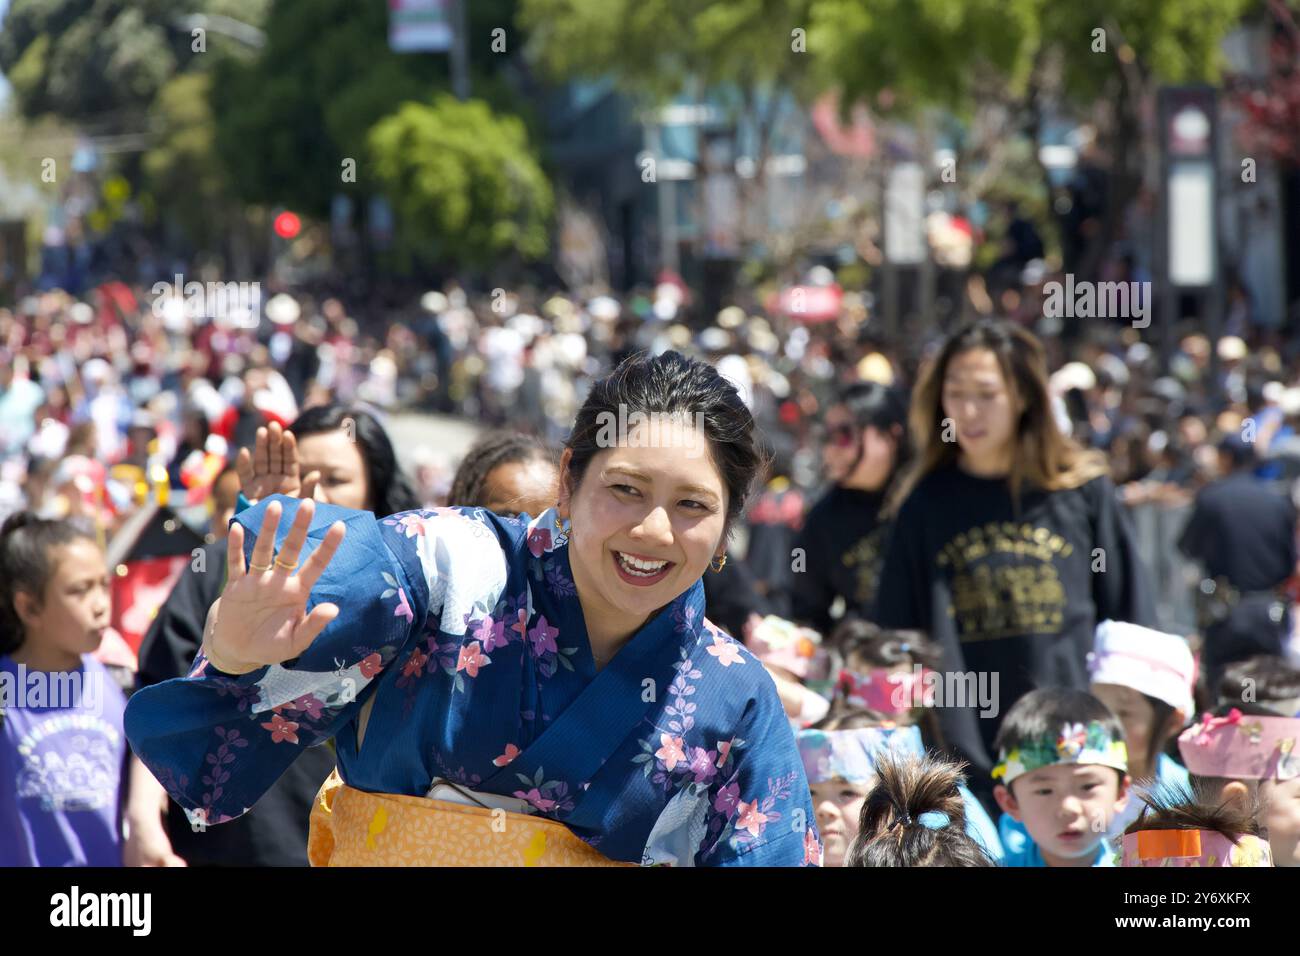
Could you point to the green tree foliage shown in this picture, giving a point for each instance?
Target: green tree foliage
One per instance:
(102, 61)
(182, 171)
(463, 181)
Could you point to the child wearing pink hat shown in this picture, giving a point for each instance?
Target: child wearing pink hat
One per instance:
(1175, 829)
(1145, 678)
(1247, 756)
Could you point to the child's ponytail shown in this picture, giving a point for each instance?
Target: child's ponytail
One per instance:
(26, 565)
(915, 816)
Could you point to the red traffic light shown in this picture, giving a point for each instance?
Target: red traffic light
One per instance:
(287, 225)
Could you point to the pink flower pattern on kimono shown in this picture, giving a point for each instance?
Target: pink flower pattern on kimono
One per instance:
(812, 849)
(725, 650)
(547, 796)
(472, 658)
(539, 541)
(282, 730)
(371, 665)
(751, 818)
(671, 752)
(491, 633)
(543, 637)
(511, 752)
(410, 524)
(308, 704)
(727, 799)
(403, 608)
(535, 797)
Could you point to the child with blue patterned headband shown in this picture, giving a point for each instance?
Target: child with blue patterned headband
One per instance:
(1062, 773)
(840, 756)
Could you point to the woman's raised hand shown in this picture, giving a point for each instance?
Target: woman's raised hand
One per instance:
(261, 616)
(272, 467)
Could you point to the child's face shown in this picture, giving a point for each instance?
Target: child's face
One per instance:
(1281, 814)
(1066, 808)
(73, 613)
(1138, 717)
(838, 805)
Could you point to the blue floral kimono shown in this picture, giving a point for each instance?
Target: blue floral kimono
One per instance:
(466, 629)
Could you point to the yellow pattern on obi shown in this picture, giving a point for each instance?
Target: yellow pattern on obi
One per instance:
(351, 827)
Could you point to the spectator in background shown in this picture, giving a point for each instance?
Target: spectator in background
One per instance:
(1243, 535)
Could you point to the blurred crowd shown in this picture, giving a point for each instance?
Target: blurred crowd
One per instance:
(99, 398)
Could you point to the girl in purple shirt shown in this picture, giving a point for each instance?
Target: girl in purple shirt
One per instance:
(61, 742)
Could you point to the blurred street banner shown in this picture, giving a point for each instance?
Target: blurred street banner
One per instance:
(418, 26)
(858, 139)
(1187, 120)
(811, 303)
(905, 215)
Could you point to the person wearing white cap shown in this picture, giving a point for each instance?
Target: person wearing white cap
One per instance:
(1145, 677)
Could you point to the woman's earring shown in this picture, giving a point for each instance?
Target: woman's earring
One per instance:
(721, 563)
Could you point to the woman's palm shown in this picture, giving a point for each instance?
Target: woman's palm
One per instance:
(261, 617)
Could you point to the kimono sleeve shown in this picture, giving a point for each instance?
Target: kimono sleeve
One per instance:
(217, 741)
(1122, 591)
(770, 818)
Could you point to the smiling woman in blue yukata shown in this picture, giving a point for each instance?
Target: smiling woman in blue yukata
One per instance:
(532, 691)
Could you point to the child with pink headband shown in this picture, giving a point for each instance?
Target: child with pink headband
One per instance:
(1247, 756)
(794, 656)
(1175, 829)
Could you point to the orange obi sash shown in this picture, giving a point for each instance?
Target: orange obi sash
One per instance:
(351, 827)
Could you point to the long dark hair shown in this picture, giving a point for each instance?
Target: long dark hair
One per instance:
(390, 490)
(25, 564)
(1044, 457)
(672, 384)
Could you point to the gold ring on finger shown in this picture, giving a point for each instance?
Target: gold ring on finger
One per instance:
(287, 567)
(257, 567)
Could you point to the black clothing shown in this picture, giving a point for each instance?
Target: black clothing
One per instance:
(842, 545)
(1009, 594)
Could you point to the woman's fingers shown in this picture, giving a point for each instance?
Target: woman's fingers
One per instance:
(309, 484)
(235, 553)
(315, 565)
(261, 463)
(289, 452)
(264, 547)
(287, 559)
(274, 443)
(311, 626)
(244, 468)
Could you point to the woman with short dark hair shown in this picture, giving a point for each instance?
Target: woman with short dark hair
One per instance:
(504, 693)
